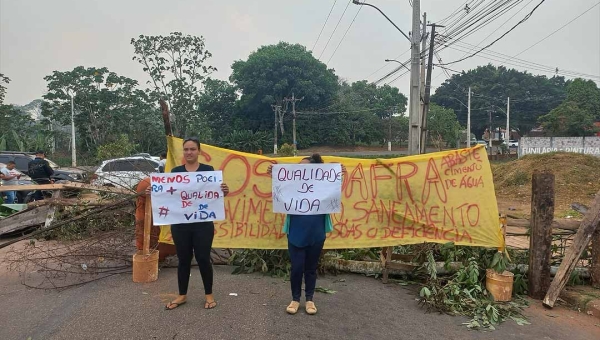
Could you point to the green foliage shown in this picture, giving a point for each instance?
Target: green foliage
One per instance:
(576, 115)
(246, 140)
(530, 96)
(122, 147)
(106, 106)
(267, 261)
(177, 66)
(442, 126)
(568, 119)
(274, 72)
(18, 132)
(3, 80)
(286, 150)
(464, 293)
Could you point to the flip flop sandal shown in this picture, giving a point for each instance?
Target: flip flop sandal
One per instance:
(210, 305)
(293, 307)
(311, 309)
(174, 303)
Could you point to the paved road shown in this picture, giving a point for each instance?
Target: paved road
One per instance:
(362, 308)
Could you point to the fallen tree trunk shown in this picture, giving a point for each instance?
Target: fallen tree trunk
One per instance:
(376, 268)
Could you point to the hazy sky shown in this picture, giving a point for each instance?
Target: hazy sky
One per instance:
(38, 37)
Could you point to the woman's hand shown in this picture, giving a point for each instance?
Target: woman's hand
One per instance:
(148, 190)
(225, 189)
(270, 169)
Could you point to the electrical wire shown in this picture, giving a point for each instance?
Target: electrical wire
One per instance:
(322, 28)
(335, 29)
(549, 35)
(502, 36)
(336, 48)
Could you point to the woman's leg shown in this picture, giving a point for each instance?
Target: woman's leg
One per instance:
(313, 253)
(202, 238)
(297, 258)
(182, 237)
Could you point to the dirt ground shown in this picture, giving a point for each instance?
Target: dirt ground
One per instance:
(361, 308)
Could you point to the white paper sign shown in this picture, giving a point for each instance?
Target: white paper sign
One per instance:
(187, 197)
(307, 189)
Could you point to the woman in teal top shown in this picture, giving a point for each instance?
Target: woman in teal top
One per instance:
(306, 237)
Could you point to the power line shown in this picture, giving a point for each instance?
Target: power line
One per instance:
(336, 48)
(335, 29)
(322, 28)
(549, 35)
(502, 36)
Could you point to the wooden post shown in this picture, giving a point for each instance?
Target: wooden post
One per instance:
(386, 264)
(595, 270)
(540, 239)
(588, 226)
(147, 225)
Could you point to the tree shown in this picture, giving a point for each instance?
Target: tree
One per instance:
(177, 66)
(274, 72)
(568, 120)
(5, 80)
(530, 96)
(18, 132)
(106, 106)
(586, 94)
(443, 127)
(218, 103)
(575, 116)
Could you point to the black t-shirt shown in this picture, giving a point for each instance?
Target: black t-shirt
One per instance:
(201, 168)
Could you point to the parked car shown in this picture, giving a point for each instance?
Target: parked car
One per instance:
(482, 142)
(513, 144)
(23, 180)
(124, 172)
(22, 160)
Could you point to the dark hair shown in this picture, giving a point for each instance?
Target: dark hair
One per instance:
(40, 152)
(192, 139)
(163, 155)
(315, 158)
(11, 162)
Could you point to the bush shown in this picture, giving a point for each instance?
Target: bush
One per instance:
(286, 150)
(122, 147)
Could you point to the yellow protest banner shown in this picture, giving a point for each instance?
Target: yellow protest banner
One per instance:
(438, 197)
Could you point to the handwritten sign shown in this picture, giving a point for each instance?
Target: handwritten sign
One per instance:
(187, 197)
(307, 189)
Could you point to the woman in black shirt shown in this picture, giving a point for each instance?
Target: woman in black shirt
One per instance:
(194, 238)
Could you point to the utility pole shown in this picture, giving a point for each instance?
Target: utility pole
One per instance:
(427, 90)
(423, 64)
(390, 130)
(507, 133)
(276, 110)
(73, 150)
(414, 103)
(490, 129)
(469, 120)
(293, 100)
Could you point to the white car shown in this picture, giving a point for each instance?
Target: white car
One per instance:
(124, 172)
(513, 144)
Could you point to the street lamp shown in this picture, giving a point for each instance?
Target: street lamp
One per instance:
(72, 94)
(394, 60)
(414, 134)
(356, 2)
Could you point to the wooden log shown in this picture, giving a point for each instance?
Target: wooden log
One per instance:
(540, 240)
(23, 219)
(63, 186)
(52, 211)
(595, 259)
(589, 225)
(556, 224)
